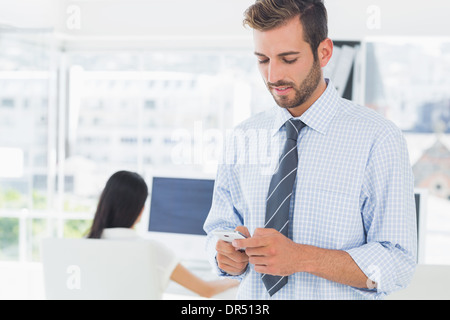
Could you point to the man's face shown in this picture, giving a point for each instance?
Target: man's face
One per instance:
(287, 65)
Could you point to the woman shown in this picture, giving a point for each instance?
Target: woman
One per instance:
(120, 207)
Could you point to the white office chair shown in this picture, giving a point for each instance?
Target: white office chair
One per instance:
(430, 282)
(90, 269)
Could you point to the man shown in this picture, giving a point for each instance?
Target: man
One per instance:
(349, 227)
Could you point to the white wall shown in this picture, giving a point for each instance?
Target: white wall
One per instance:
(358, 19)
(209, 18)
(28, 13)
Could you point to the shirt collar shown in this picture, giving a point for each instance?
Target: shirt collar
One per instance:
(318, 115)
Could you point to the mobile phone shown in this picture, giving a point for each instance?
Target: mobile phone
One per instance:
(228, 235)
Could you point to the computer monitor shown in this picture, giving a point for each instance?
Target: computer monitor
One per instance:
(420, 196)
(177, 209)
(180, 205)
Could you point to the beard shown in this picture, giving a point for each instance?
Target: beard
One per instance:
(303, 92)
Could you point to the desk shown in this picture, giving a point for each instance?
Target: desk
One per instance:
(24, 281)
(227, 295)
(21, 281)
(430, 282)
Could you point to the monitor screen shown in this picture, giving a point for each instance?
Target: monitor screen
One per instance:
(417, 200)
(179, 205)
(420, 196)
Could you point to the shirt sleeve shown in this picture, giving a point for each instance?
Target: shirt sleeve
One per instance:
(166, 263)
(388, 212)
(223, 214)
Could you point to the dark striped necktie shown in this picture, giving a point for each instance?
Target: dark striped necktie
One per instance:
(280, 192)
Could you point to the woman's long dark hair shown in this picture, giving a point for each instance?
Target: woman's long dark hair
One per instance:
(120, 203)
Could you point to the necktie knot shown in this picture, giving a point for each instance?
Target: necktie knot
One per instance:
(293, 128)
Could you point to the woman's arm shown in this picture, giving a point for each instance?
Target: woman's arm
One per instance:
(207, 289)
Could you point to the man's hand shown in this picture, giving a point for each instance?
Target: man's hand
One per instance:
(270, 252)
(229, 258)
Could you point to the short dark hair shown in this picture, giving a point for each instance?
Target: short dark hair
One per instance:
(120, 203)
(264, 15)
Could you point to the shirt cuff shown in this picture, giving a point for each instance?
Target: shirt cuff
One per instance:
(212, 253)
(387, 265)
(222, 273)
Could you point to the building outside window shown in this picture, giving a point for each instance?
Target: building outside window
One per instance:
(411, 89)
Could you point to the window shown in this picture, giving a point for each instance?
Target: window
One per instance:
(9, 237)
(124, 110)
(8, 103)
(411, 89)
(148, 99)
(158, 111)
(25, 109)
(30, 203)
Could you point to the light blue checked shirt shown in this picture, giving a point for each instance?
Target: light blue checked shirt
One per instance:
(354, 192)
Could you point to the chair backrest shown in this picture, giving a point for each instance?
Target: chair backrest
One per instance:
(90, 269)
(430, 282)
